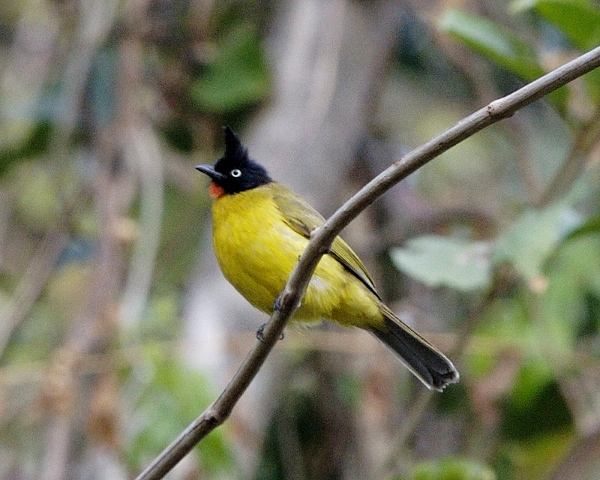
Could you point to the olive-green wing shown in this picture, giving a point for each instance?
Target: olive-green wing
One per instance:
(303, 219)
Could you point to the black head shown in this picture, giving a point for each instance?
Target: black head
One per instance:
(235, 171)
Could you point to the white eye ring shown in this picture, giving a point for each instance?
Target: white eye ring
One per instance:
(236, 173)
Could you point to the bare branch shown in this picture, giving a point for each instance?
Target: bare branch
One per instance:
(218, 412)
(574, 165)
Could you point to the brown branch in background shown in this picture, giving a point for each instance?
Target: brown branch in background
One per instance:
(94, 327)
(97, 26)
(419, 406)
(219, 411)
(141, 151)
(87, 332)
(574, 165)
(32, 283)
(479, 74)
(577, 462)
(531, 174)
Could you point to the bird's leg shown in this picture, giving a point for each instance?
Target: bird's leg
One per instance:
(276, 307)
(278, 303)
(260, 333)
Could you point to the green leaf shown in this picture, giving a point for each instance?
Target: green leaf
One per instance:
(453, 469)
(563, 311)
(502, 47)
(535, 374)
(173, 396)
(38, 195)
(544, 413)
(591, 227)
(445, 261)
(538, 456)
(506, 323)
(533, 237)
(498, 45)
(34, 144)
(592, 84)
(579, 20)
(237, 77)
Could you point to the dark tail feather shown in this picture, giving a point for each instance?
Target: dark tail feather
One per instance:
(427, 363)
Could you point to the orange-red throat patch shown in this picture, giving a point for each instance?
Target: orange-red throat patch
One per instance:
(215, 190)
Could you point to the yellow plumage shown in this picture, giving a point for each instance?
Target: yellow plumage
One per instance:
(257, 249)
(260, 229)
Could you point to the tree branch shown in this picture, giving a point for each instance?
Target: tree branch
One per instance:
(574, 165)
(320, 242)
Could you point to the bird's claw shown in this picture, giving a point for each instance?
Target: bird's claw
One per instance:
(278, 303)
(260, 333)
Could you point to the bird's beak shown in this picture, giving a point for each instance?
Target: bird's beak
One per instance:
(211, 172)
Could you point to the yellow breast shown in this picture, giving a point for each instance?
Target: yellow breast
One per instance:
(257, 250)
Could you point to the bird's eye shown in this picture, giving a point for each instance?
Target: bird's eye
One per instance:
(235, 173)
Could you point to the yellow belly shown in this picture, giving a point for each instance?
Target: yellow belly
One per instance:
(257, 251)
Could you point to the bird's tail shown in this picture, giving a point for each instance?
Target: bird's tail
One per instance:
(426, 362)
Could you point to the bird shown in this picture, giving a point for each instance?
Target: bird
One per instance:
(260, 229)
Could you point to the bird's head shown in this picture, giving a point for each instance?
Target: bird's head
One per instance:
(235, 171)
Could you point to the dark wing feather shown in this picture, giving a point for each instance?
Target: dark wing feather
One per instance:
(303, 219)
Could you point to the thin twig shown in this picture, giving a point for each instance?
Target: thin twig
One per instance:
(574, 165)
(419, 405)
(218, 412)
(32, 283)
(39, 270)
(410, 423)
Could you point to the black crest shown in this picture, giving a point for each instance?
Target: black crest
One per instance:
(235, 171)
(236, 155)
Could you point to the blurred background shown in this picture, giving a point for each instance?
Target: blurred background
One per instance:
(116, 326)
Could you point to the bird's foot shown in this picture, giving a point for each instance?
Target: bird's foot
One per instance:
(279, 303)
(260, 333)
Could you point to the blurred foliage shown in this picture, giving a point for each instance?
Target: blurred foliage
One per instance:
(577, 20)
(544, 264)
(236, 78)
(488, 38)
(169, 395)
(453, 469)
(526, 282)
(307, 427)
(445, 262)
(34, 145)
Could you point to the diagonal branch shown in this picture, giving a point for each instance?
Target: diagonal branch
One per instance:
(320, 242)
